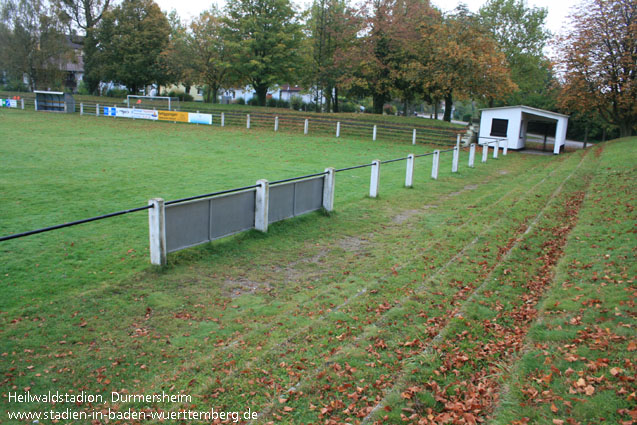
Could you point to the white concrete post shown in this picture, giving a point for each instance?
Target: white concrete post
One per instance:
(157, 231)
(458, 140)
(375, 179)
(456, 156)
(36, 104)
(115, 106)
(434, 165)
(65, 111)
(97, 110)
(81, 109)
(307, 126)
(472, 154)
(248, 121)
(328, 190)
(409, 175)
(496, 149)
(413, 137)
(338, 129)
(485, 152)
(261, 206)
(276, 123)
(22, 103)
(505, 149)
(223, 119)
(374, 135)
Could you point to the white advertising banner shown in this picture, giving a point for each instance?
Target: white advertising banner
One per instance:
(141, 114)
(197, 118)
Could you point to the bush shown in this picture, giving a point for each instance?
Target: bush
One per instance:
(297, 103)
(347, 107)
(466, 118)
(117, 93)
(271, 103)
(183, 97)
(254, 101)
(389, 110)
(240, 101)
(283, 104)
(15, 85)
(82, 89)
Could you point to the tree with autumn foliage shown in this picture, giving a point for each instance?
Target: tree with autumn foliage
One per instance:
(459, 60)
(377, 62)
(598, 63)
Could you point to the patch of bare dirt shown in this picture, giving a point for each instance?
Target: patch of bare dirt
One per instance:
(241, 286)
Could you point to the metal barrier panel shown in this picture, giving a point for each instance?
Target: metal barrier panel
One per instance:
(196, 222)
(187, 224)
(295, 198)
(231, 214)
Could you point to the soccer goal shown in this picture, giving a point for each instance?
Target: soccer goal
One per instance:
(152, 102)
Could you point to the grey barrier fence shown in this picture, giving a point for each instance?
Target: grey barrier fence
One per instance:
(186, 222)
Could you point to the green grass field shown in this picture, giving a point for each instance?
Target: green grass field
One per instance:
(502, 294)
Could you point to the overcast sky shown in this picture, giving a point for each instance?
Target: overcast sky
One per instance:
(557, 17)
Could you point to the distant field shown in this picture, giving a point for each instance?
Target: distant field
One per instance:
(499, 293)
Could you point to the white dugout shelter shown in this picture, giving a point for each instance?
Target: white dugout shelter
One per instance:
(509, 125)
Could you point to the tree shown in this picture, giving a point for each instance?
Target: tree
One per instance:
(33, 43)
(461, 61)
(130, 39)
(177, 57)
(264, 37)
(598, 62)
(521, 36)
(86, 15)
(210, 55)
(329, 34)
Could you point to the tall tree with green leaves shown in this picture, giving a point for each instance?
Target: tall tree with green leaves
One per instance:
(264, 37)
(210, 56)
(33, 43)
(521, 36)
(177, 57)
(130, 40)
(85, 15)
(330, 32)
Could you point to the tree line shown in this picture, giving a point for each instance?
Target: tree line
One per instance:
(384, 50)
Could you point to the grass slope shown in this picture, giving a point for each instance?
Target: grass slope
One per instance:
(351, 318)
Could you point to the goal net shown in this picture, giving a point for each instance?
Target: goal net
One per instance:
(153, 102)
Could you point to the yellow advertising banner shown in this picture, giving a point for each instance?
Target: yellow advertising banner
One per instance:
(172, 116)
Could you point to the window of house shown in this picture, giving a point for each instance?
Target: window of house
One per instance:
(499, 127)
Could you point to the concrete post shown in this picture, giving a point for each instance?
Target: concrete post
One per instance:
(65, 111)
(81, 109)
(248, 121)
(276, 123)
(338, 129)
(496, 149)
(306, 126)
(328, 190)
(375, 179)
(22, 103)
(97, 110)
(409, 175)
(261, 206)
(223, 119)
(434, 165)
(472, 154)
(485, 152)
(374, 134)
(157, 231)
(456, 156)
(36, 104)
(413, 137)
(458, 140)
(505, 149)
